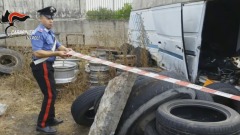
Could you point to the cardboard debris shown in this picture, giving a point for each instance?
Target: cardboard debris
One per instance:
(3, 108)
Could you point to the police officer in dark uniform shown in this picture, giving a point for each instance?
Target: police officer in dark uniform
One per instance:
(45, 49)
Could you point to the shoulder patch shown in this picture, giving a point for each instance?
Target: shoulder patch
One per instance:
(40, 30)
(37, 32)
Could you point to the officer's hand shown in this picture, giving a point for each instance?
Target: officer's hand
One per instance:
(63, 54)
(68, 49)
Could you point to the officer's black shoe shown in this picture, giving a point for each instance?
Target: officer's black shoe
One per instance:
(47, 130)
(55, 122)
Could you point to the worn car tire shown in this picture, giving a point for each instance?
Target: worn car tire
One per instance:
(200, 95)
(204, 96)
(136, 123)
(10, 61)
(83, 107)
(150, 129)
(146, 90)
(140, 80)
(143, 92)
(196, 117)
(148, 69)
(227, 88)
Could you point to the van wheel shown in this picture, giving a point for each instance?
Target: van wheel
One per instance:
(83, 107)
(195, 117)
(227, 88)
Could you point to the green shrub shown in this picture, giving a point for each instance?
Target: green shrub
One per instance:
(107, 14)
(124, 13)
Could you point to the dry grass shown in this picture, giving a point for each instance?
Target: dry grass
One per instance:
(24, 79)
(23, 96)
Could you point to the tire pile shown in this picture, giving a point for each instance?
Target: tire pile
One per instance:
(161, 108)
(10, 61)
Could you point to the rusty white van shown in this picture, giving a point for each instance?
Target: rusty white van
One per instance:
(199, 39)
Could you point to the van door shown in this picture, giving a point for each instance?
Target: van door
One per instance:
(168, 21)
(193, 20)
(140, 24)
(142, 32)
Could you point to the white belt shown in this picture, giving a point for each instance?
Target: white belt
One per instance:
(38, 61)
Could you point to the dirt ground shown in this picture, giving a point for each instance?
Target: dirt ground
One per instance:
(21, 93)
(23, 97)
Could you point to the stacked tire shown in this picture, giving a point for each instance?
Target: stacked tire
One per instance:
(195, 117)
(83, 110)
(160, 108)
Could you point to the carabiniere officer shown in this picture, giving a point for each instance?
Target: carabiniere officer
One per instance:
(45, 49)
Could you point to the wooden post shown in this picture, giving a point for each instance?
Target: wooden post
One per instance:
(112, 104)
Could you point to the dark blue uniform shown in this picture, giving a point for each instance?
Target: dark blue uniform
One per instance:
(43, 72)
(43, 39)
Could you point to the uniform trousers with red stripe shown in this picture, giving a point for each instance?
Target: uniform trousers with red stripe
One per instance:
(44, 75)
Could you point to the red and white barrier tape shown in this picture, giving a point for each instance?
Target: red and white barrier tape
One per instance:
(154, 75)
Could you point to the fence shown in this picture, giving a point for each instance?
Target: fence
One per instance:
(109, 4)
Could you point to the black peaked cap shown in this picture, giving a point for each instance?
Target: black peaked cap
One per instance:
(49, 12)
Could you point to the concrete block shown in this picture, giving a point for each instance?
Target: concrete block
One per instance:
(112, 104)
